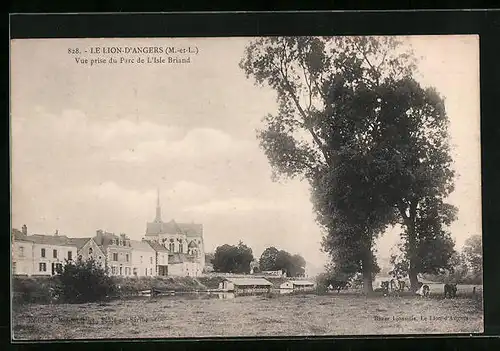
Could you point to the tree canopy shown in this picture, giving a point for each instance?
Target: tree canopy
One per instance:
(371, 142)
(232, 259)
(273, 259)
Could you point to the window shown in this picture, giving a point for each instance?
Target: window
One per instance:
(141, 259)
(21, 251)
(181, 247)
(146, 271)
(42, 252)
(54, 253)
(100, 257)
(70, 255)
(151, 271)
(13, 267)
(90, 251)
(126, 257)
(151, 260)
(57, 268)
(135, 271)
(79, 257)
(171, 247)
(113, 270)
(121, 270)
(42, 267)
(115, 256)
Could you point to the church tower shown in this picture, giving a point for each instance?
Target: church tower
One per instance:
(158, 207)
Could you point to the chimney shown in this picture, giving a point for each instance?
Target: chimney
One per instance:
(56, 233)
(24, 229)
(98, 237)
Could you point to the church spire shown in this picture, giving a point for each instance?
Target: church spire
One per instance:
(158, 207)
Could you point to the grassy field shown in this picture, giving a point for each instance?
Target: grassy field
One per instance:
(346, 313)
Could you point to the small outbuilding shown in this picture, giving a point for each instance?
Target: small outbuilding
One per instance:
(247, 285)
(298, 285)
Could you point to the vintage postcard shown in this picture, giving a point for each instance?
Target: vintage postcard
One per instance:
(245, 186)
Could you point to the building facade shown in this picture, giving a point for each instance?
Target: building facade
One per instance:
(161, 257)
(88, 249)
(143, 259)
(39, 254)
(22, 252)
(117, 250)
(184, 242)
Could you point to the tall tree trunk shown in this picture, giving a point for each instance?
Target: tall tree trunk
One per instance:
(367, 269)
(412, 257)
(409, 221)
(412, 250)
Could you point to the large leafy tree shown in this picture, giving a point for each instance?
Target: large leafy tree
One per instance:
(326, 127)
(473, 254)
(232, 259)
(267, 261)
(371, 142)
(273, 259)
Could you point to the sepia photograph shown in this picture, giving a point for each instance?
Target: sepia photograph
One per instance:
(245, 187)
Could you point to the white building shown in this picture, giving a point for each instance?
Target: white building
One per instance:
(143, 259)
(298, 285)
(22, 253)
(39, 254)
(161, 257)
(183, 265)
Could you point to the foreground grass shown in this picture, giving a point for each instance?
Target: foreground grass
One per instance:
(294, 315)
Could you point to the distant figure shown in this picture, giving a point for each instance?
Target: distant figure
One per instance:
(393, 285)
(338, 285)
(450, 290)
(474, 292)
(425, 290)
(385, 287)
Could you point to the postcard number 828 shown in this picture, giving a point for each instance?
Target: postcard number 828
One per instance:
(74, 51)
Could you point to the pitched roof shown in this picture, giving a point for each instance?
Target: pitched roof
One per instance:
(140, 245)
(172, 227)
(59, 240)
(192, 244)
(192, 229)
(79, 242)
(249, 281)
(18, 235)
(157, 246)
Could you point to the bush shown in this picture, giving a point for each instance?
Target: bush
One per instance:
(84, 281)
(33, 289)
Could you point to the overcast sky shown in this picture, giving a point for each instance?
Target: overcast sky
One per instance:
(90, 145)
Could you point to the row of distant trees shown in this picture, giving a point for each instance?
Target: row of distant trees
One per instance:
(239, 258)
(465, 266)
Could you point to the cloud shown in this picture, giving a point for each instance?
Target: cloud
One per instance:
(237, 205)
(198, 143)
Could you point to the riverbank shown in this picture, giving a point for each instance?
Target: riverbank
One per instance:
(203, 315)
(38, 289)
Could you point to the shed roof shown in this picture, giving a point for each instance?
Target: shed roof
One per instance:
(301, 282)
(249, 281)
